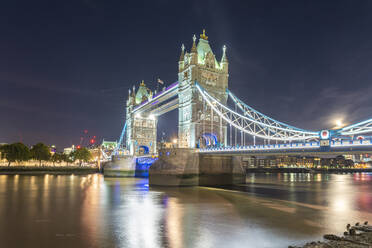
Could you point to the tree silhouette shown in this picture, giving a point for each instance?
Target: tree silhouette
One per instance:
(15, 152)
(57, 157)
(82, 154)
(40, 152)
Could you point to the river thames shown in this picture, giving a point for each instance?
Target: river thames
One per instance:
(271, 210)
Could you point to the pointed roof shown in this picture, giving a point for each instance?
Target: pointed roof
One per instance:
(142, 93)
(203, 47)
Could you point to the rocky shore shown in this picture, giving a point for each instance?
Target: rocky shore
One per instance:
(356, 236)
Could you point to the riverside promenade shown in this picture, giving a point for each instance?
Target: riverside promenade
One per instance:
(57, 170)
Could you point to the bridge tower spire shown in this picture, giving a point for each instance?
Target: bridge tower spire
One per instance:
(224, 62)
(200, 65)
(181, 61)
(193, 53)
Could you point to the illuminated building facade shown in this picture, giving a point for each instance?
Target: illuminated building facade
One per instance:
(108, 145)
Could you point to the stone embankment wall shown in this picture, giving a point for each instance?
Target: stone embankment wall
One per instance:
(186, 167)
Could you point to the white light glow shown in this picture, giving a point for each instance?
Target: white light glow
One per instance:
(338, 123)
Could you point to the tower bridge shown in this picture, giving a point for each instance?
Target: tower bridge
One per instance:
(206, 121)
(213, 121)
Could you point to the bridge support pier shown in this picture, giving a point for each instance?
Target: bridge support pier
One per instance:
(120, 166)
(220, 170)
(186, 167)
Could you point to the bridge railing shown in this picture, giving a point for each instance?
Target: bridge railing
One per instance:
(343, 143)
(308, 145)
(288, 146)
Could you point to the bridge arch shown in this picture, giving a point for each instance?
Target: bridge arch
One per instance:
(143, 150)
(208, 140)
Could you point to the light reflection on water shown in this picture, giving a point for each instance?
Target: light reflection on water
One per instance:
(271, 210)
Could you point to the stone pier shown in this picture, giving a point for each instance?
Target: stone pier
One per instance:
(120, 166)
(186, 167)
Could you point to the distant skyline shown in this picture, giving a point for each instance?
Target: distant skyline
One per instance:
(66, 67)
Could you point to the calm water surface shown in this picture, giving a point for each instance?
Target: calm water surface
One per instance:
(271, 210)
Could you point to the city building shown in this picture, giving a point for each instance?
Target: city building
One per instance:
(109, 145)
(68, 150)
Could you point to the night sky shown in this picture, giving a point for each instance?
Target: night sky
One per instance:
(66, 66)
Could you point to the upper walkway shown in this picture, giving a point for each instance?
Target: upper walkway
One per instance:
(161, 103)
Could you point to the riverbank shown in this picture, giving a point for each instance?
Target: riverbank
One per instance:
(306, 170)
(58, 170)
(354, 237)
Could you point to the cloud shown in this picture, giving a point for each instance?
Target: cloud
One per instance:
(54, 86)
(37, 111)
(333, 104)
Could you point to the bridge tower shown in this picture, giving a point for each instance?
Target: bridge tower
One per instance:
(195, 119)
(141, 130)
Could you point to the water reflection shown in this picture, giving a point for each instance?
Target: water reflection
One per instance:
(271, 210)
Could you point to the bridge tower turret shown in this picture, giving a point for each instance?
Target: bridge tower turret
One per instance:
(195, 119)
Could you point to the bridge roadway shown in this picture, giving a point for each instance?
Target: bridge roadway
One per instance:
(309, 148)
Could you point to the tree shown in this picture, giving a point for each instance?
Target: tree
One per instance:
(82, 154)
(15, 152)
(40, 152)
(68, 158)
(2, 151)
(57, 157)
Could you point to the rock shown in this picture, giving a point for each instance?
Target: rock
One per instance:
(358, 236)
(331, 237)
(352, 231)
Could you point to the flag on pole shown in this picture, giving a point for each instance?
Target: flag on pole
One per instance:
(160, 81)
